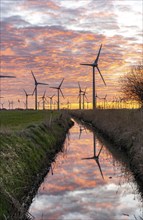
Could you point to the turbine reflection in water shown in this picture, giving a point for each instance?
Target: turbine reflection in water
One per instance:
(77, 190)
(95, 156)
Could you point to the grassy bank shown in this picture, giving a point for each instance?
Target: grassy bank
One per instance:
(29, 141)
(123, 128)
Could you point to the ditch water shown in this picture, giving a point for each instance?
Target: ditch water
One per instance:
(86, 183)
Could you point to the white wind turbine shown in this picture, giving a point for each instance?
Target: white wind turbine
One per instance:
(35, 89)
(93, 65)
(58, 93)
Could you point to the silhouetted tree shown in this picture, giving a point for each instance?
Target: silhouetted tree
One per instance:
(132, 84)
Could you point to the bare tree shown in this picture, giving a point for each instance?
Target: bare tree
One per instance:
(132, 84)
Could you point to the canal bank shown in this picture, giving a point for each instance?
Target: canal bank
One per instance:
(26, 157)
(124, 129)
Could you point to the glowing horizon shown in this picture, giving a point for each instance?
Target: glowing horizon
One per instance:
(53, 37)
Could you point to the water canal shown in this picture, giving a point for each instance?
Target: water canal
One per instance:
(86, 183)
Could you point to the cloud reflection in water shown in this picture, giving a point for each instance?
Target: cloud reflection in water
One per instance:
(77, 190)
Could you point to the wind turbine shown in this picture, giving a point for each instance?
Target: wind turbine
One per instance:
(84, 96)
(26, 95)
(51, 101)
(35, 89)
(10, 103)
(58, 93)
(79, 95)
(95, 157)
(68, 104)
(93, 65)
(2, 104)
(105, 100)
(44, 99)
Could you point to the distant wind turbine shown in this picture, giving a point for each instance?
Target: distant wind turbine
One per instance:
(105, 100)
(44, 99)
(68, 104)
(2, 104)
(93, 65)
(79, 95)
(35, 89)
(26, 95)
(84, 96)
(58, 93)
(95, 157)
(51, 101)
(10, 103)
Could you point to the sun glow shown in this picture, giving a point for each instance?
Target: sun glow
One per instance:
(53, 38)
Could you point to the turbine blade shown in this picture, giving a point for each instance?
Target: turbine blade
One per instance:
(33, 76)
(25, 92)
(96, 60)
(88, 158)
(61, 83)
(62, 93)
(101, 75)
(100, 151)
(79, 86)
(2, 76)
(42, 83)
(86, 97)
(46, 100)
(97, 161)
(44, 93)
(34, 90)
(86, 64)
(53, 87)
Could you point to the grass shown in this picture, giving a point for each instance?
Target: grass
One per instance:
(26, 152)
(17, 120)
(123, 128)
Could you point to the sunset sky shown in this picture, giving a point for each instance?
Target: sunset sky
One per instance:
(52, 38)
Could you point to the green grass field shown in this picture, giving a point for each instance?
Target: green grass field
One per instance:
(16, 120)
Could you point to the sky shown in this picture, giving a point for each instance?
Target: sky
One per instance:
(52, 38)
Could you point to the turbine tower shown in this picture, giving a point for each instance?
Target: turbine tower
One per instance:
(58, 93)
(26, 95)
(35, 89)
(95, 157)
(93, 65)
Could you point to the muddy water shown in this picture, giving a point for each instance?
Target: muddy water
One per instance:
(87, 183)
